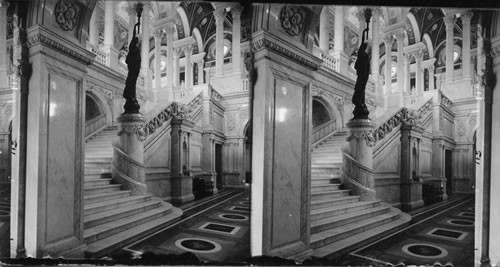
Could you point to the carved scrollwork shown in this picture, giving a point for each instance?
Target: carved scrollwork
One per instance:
(138, 130)
(292, 19)
(66, 13)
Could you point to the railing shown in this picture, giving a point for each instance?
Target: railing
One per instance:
(13, 81)
(128, 172)
(102, 57)
(358, 176)
(323, 130)
(330, 62)
(158, 121)
(404, 115)
(211, 63)
(411, 98)
(95, 124)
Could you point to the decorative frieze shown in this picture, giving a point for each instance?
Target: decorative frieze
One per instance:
(262, 42)
(44, 37)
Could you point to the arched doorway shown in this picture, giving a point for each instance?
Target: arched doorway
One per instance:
(324, 121)
(95, 117)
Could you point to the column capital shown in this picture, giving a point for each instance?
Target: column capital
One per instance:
(169, 29)
(388, 40)
(431, 68)
(177, 52)
(449, 21)
(419, 55)
(188, 49)
(466, 15)
(219, 13)
(158, 33)
(407, 57)
(236, 11)
(376, 11)
(399, 36)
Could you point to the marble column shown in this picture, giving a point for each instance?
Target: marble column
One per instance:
(177, 54)
(406, 87)
(419, 77)
(449, 22)
(399, 38)
(432, 86)
(131, 143)
(93, 30)
(145, 40)
(158, 34)
(188, 50)
(132, 19)
(4, 81)
(219, 14)
(324, 28)
(236, 45)
(181, 186)
(388, 63)
(109, 23)
(169, 31)
(338, 40)
(466, 43)
(200, 72)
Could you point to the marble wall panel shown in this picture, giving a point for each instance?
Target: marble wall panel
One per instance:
(195, 156)
(61, 165)
(160, 156)
(287, 178)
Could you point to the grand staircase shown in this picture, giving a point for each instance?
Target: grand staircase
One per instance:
(112, 216)
(341, 222)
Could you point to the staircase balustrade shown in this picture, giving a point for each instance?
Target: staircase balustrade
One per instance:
(352, 168)
(323, 130)
(329, 61)
(102, 57)
(126, 171)
(95, 125)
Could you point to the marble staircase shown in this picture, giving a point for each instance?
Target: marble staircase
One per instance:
(341, 222)
(113, 217)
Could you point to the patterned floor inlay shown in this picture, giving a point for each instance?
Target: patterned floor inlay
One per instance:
(205, 233)
(443, 234)
(460, 222)
(198, 245)
(240, 208)
(447, 233)
(233, 217)
(426, 251)
(466, 214)
(220, 228)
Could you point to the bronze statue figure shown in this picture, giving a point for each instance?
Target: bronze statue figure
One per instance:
(362, 67)
(134, 67)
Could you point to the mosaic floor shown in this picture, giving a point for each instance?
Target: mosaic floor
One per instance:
(215, 230)
(442, 233)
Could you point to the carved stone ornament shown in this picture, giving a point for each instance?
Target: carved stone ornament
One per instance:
(367, 135)
(66, 12)
(292, 19)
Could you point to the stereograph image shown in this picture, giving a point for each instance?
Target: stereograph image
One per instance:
(200, 133)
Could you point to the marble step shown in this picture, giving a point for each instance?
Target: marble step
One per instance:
(114, 204)
(96, 163)
(338, 233)
(99, 157)
(324, 187)
(89, 199)
(96, 182)
(330, 202)
(329, 194)
(98, 171)
(324, 181)
(326, 165)
(107, 229)
(101, 189)
(118, 213)
(111, 243)
(97, 175)
(326, 218)
(361, 239)
(326, 160)
(325, 175)
(324, 170)
(318, 214)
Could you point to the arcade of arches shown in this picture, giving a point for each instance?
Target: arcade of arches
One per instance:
(252, 98)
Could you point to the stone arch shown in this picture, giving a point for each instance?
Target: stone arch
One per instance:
(414, 26)
(184, 20)
(103, 104)
(197, 36)
(428, 41)
(333, 110)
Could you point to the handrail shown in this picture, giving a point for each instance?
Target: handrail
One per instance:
(322, 131)
(352, 168)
